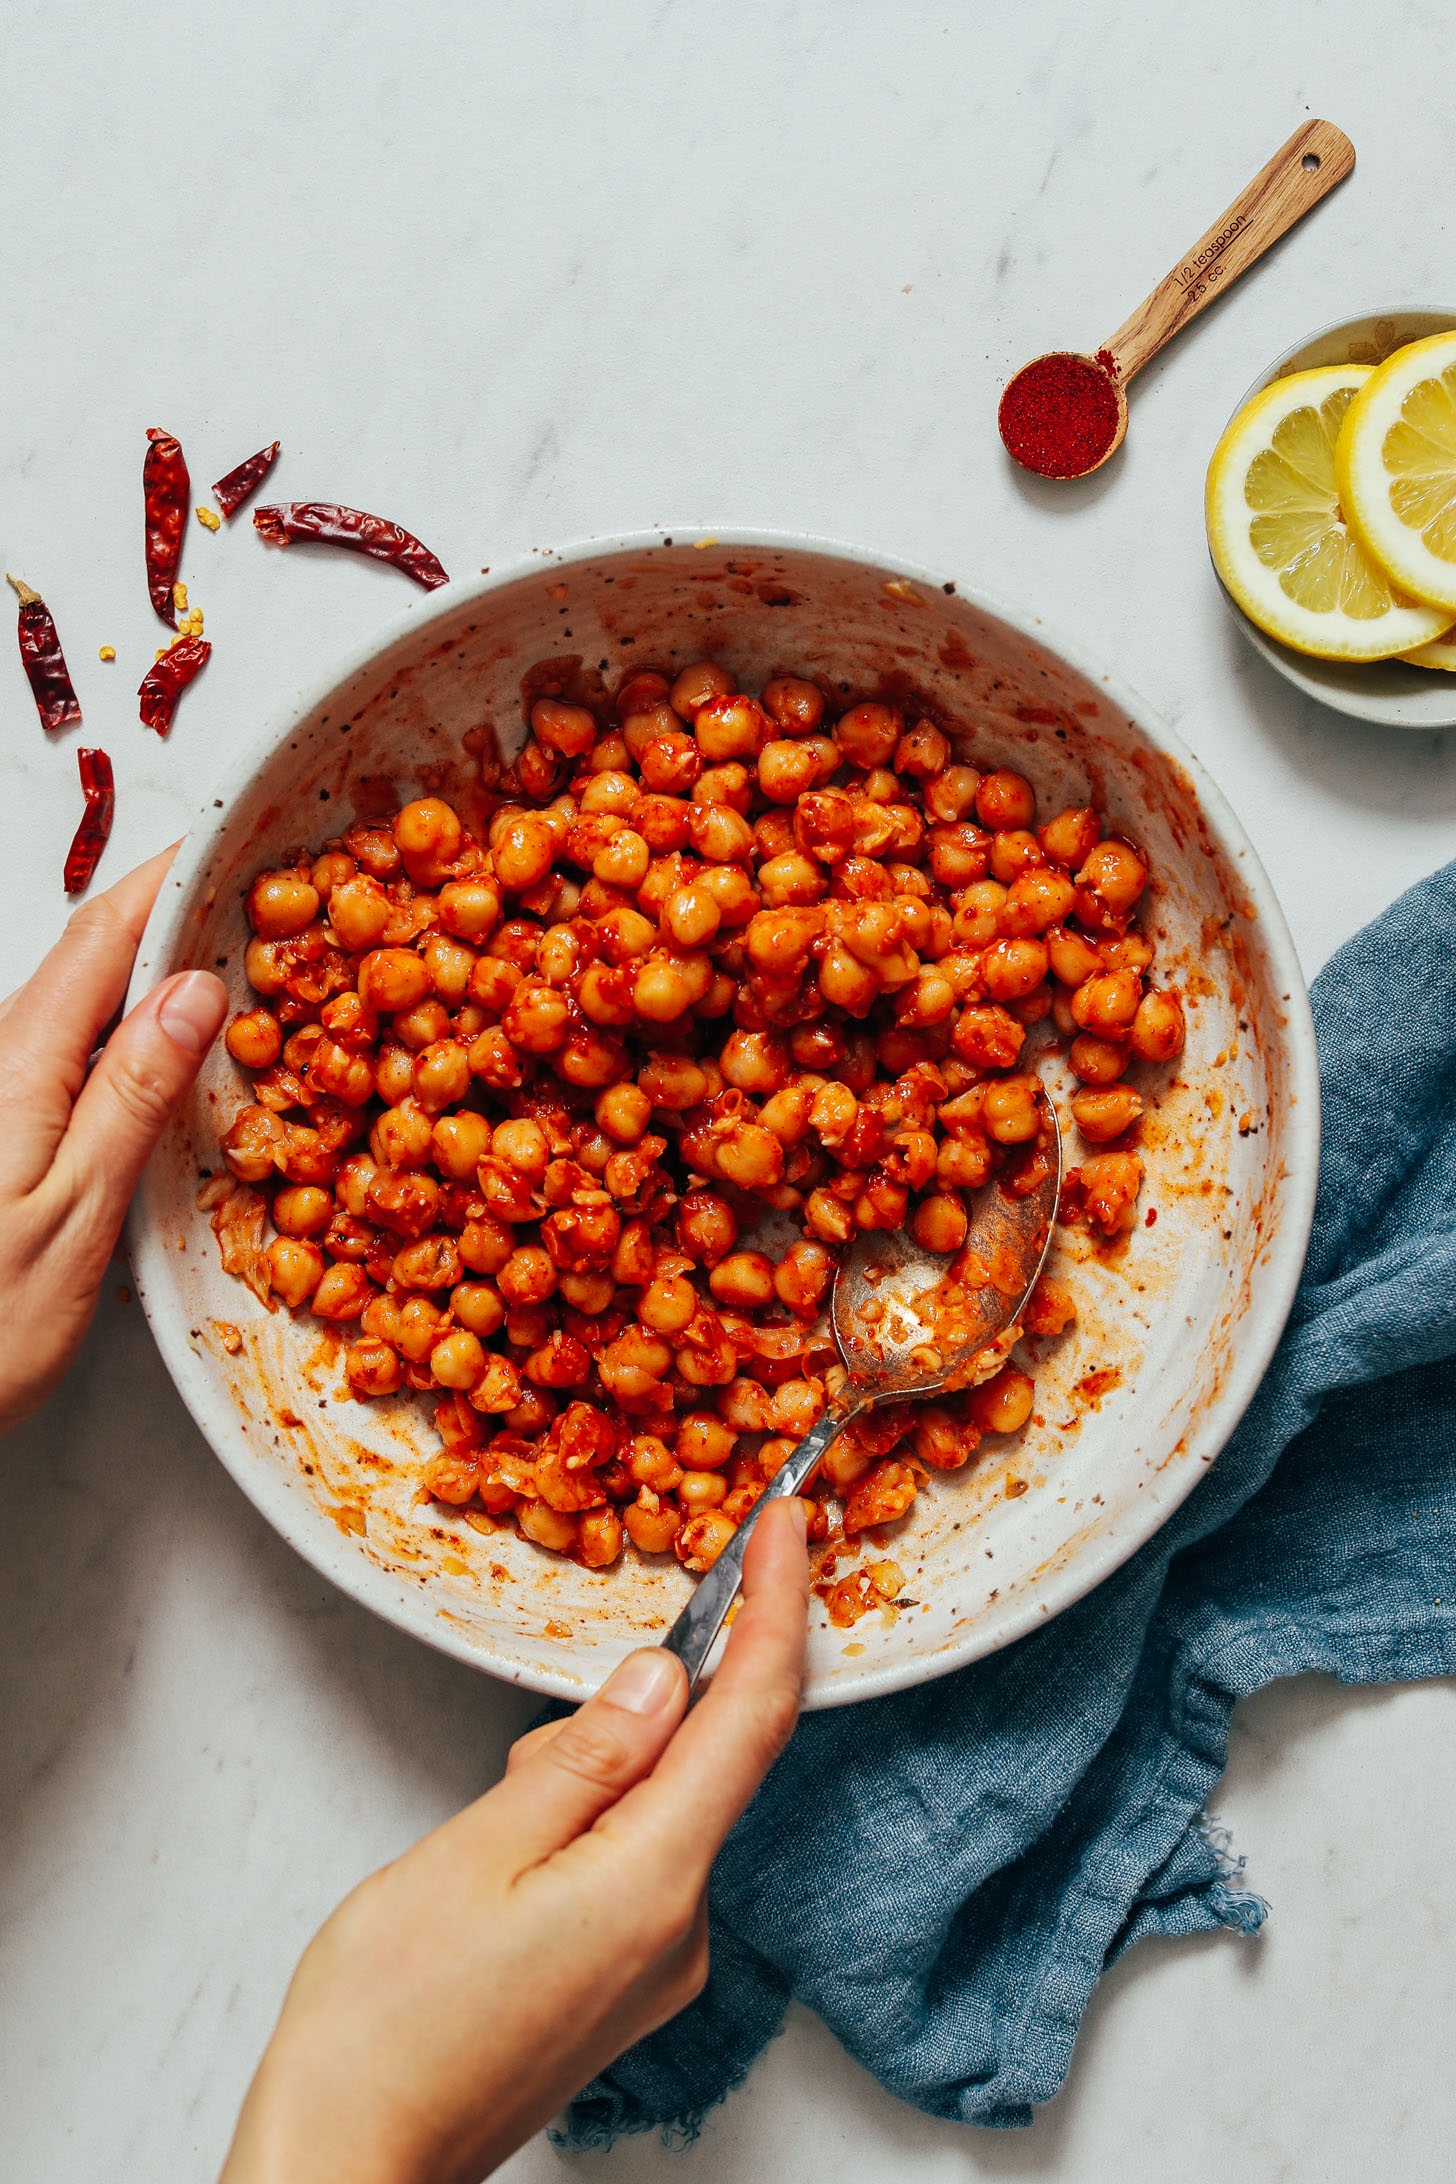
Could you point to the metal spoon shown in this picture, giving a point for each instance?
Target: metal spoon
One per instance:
(904, 1333)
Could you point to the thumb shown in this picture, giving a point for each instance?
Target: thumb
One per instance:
(555, 1792)
(145, 1068)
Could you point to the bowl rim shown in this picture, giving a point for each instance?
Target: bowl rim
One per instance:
(1281, 1259)
(1316, 678)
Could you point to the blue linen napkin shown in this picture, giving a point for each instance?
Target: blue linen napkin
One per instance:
(944, 1874)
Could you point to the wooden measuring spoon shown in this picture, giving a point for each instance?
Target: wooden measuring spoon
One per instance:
(1065, 413)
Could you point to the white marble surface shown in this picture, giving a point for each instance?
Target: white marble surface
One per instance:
(515, 273)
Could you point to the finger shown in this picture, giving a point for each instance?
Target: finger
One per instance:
(50, 1026)
(599, 1752)
(148, 1064)
(532, 1741)
(726, 1746)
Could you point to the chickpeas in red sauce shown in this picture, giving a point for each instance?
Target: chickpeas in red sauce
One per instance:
(521, 1096)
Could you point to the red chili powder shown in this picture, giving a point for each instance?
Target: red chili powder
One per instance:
(1058, 416)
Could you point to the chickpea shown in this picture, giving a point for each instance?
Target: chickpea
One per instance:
(1039, 898)
(553, 1528)
(790, 879)
(672, 1081)
(939, 1223)
(359, 910)
(701, 1490)
(1072, 956)
(868, 734)
(726, 784)
(697, 685)
(1002, 1405)
(610, 791)
(751, 1157)
(922, 752)
(1009, 1110)
(1097, 1061)
(1110, 1183)
(295, 1269)
(1014, 851)
(824, 825)
(470, 909)
(392, 978)
(343, 1291)
(528, 1276)
(255, 1039)
(662, 992)
(1104, 1112)
(743, 1278)
(417, 1328)
(536, 1018)
(268, 970)
(729, 727)
(952, 794)
(375, 851)
(587, 1059)
(623, 1111)
(670, 763)
(330, 870)
(786, 771)
(988, 1038)
(1107, 1002)
(280, 904)
(458, 1360)
(1005, 800)
(303, 1210)
(623, 861)
(420, 1026)
(494, 1060)
(373, 1368)
(1070, 838)
(959, 853)
(478, 1307)
(486, 1243)
(1157, 1029)
(720, 834)
(691, 916)
(651, 1529)
(1011, 969)
(591, 1294)
(707, 1227)
(449, 963)
(599, 1538)
(755, 1061)
(1114, 876)
(402, 1137)
(702, 1539)
(732, 890)
(632, 1365)
(429, 835)
(568, 730)
(845, 983)
(523, 1146)
(794, 705)
(432, 1263)
(522, 851)
(803, 1275)
(668, 1304)
(441, 1075)
(828, 1218)
(459, 1143)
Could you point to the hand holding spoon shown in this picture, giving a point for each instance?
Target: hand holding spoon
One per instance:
(1065, 413)
(908, 1324)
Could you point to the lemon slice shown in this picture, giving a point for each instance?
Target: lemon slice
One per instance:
(1396, 467)
(1278, 535)
(1441, 652)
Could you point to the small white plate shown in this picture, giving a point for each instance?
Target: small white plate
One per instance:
(1389, 692)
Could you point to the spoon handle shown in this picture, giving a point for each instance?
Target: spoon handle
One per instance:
(1301, 172)
(691, 1637)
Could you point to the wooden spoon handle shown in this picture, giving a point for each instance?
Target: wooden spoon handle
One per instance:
(1301, 172)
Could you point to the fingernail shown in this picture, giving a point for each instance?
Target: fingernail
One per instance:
(192, 1011)
(644, 1682)
(800, 1510)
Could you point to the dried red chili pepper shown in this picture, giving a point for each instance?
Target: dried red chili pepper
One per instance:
(305, 522)
(43, 659)
(230, 492)
(94, 831)
(165, 681)
(167, 490)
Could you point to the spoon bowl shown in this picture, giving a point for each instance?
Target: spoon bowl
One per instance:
(908, 1323)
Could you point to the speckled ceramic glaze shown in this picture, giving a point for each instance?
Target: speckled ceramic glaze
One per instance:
(1176, 1323)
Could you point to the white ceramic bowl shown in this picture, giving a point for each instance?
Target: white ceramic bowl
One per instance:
(1391, 693)
(1176, 1325)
